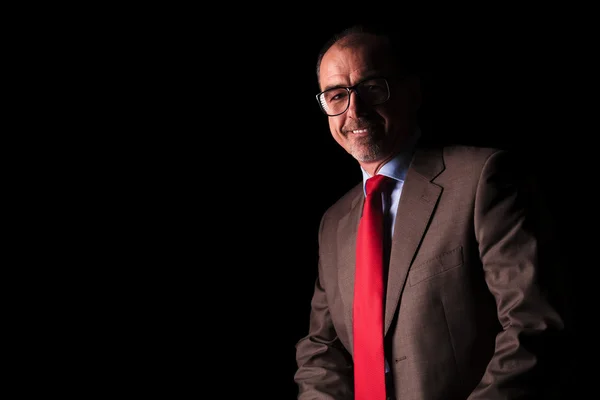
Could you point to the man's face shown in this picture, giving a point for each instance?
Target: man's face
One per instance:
(371, 134)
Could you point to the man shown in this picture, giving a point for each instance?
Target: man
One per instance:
(456, 310)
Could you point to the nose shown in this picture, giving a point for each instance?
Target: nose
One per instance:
(357, 107)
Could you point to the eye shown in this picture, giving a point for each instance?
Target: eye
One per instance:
(374, 88)
(339, 96)
(335, 95)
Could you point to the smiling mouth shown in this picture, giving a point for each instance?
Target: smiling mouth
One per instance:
(364, 132)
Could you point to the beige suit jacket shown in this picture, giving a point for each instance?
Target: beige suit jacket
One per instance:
(464, 313)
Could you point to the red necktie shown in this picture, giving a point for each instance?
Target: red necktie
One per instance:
(369, 368)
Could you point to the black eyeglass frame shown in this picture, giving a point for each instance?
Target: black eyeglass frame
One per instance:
(351, 89)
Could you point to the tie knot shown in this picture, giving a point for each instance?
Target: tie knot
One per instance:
(376, 183)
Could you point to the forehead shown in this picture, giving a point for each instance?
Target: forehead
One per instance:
(353, 59)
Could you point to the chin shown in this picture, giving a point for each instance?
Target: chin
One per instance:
(367, 157)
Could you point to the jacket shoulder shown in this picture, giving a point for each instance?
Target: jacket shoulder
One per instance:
(343, 205)
(469, 154)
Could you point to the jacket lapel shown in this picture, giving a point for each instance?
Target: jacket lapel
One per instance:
(417, 203)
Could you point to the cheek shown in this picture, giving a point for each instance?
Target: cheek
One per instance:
(387, 118)
(335, 125)
(396, 115)
(335, 129)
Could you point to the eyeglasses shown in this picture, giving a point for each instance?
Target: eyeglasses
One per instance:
(335, 101)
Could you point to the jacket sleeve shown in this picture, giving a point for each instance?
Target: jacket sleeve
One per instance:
(324, 365)
(509, 247)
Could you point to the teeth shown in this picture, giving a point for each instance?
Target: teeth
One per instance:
(360, 131)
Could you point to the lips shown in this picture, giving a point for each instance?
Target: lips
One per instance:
(359, 132)
(351, 128)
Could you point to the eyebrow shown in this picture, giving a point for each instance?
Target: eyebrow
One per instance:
(371, 75)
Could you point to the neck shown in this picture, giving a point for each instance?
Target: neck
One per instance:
(373, 167)
(402, 141)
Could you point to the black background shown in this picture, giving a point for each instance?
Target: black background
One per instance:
(217, 165)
